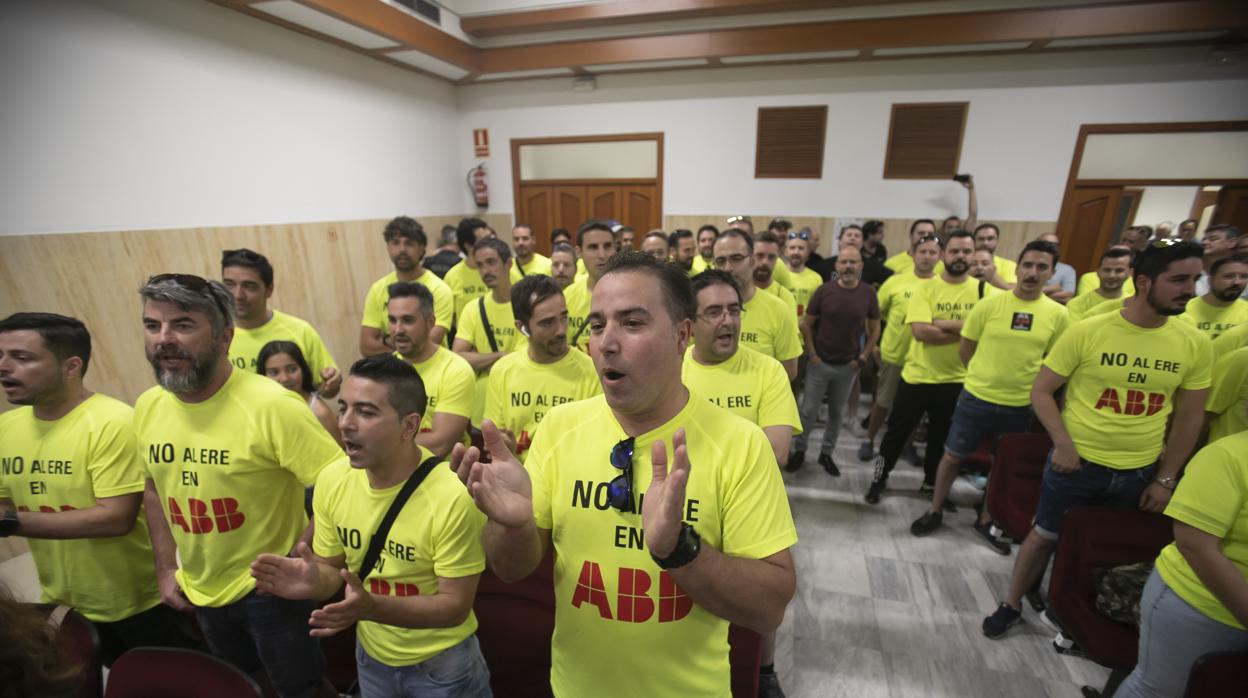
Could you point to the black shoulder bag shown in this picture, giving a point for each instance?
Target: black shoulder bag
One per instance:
(378, 540)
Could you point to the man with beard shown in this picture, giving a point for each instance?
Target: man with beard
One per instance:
(595, 243)
(766, 256)
(405, 243)
(706, 244)
(626, 236)
(1126, 373)
(448, 377)
(645, 586)
(1135, 238)
(802, 278)
(524, 385)
(986, 238)
(768, 324)
(528, 260)
(1219, 242)
(1220, 308)
(487, 330)
(1112, 275)
(840, 314)
(684, 253)
(563, 264)
(72, 484)
(932, 376)
(873, 273)
(1003, 342)
(228, 454)
(248, 276)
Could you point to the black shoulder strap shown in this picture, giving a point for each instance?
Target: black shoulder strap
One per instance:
(577, 336)
(981, 288)
(485, 321)
(383, 529)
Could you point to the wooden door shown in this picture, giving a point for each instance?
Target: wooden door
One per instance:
(640, 207)
(1088, 224)
(570, 207)
(604, 202)
(1232, 206)
(536, 209)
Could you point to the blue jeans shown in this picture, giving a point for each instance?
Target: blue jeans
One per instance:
(1173, 635)
(455, 672)
(975, 419)
(1090, 485)
(267, 635)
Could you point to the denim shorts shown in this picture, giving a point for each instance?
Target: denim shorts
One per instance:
(1090, 485)
(458, 671)
(975, 419)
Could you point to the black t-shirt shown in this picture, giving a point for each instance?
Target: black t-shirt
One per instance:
(442, 262)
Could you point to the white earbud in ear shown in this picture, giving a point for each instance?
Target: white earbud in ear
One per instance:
(524, 332)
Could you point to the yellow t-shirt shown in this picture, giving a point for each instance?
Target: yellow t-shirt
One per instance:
(581, 272)
(780, 275)
(506, 337)
(1228, 396)
(466, 284)
(1013, 335)
(231, 473)
(69, 463)
(1089, 281)
(578, 296)
(1081, 306)
(1212, 320)
(803, 285)
(769, 325)
(1007, 269)
(902, 263)
(450, 384)
(1231, 340)
(609, 593)
(749, 384)
(783, 294)
(379, 294)
(698, 265)
(1121, 385)
(894, 298)
(246, 345)
(522, 391)
(938, 300)
(1212, 497)
(436, 534)
(540, 264)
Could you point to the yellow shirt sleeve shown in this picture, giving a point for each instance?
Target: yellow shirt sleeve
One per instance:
(458, 385)
(777, 406)
(375, 305)
(115, 465)
(443, 304)
(325, 541)
(919, 309)
(300, 444)
(458, 538)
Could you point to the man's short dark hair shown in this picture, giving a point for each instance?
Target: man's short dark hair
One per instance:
(656, 234)
(560, 233)
(405, 390)
(592, 225)
(768, 236)
(405, 227)
(449, 236)
(959, 233)
(677, 294)
(504, 252)
(677, 235)
(621, 229)
(563, 247)
(1116, 253)
(530, 291)
(984, 226)
(282, 346)
(851, 226)
(411, 289)
(780, 224)
(63, 336)
(708, 278)
(1041, 246)
(1236, 258)
(243, 257)
(921, 221)
(737, 233)
(465, 233)
(1231, 232)
(872, 227)
(709, 227)
(1154, 259)
(954, 218)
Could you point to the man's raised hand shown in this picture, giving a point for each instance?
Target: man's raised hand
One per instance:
(665, 500)
(500, 488)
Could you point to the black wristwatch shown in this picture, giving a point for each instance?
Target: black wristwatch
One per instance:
(9, 524)
(688, 545)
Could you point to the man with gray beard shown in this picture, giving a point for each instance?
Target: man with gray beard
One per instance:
(227, 455)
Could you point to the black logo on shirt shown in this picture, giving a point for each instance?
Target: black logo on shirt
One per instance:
(1021, 321)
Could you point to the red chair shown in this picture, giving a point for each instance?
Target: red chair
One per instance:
(160, 672)
(340, 667)
(1096, 538)
(78, 640)
(1215, 673)
(745, 654)
(1014, 486)
(981, 460)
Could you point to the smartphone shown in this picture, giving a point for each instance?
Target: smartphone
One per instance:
(963, 178)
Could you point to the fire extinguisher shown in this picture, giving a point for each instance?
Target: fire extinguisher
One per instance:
(477, 183)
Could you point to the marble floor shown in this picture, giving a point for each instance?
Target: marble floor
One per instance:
(879, 612)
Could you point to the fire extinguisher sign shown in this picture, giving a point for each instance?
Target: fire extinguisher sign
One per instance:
(480, 142)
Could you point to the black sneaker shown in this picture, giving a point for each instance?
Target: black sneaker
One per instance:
(926, 523)
(998, 546)
(1035, 600)
(825, 459)
(866, 450)
(875, 491)
(769, 686)
(996, 625)
(796, 460)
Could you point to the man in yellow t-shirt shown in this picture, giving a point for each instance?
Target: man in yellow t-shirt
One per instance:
(987, 236)
(645, 587)
(1004, 339)
(1226, 407)
(248, 276)
(1126, 374)
(803, 279)
(487, 330)
(411, 599)
(1232, 339)
(1112, 273)
(903, 261)
(228, 455)
(525, 385)
(1193, 603)
(405, 243)
(767, 269)
(894, 299)
(706, 245)
(71, 483)
(449, 379)
(683, 251)
(464, 279)
(595, 243)
(931, 378)
(1221, 308)
(528, 260)
(768, 324)
(563, 264)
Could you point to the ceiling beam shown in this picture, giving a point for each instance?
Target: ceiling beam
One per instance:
(398, 25)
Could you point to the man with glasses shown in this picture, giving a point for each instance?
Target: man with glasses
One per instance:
(405, 243)
(228, 454)
(645, 586)
(1220, 308)
(528, 260)
(248, 276)
(768, 324)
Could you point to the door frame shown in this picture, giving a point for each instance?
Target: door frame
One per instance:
(516, 182)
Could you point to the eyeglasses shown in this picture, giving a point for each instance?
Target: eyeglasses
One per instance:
(620, 489)
(733, 259)
(800, 235)
(194, 283)
(715, 312)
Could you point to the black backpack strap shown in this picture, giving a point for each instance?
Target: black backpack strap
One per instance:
(485, 321)
(577, 336)
(981, 288)
(383, 529)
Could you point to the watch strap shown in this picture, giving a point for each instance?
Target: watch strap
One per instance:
(688, 545)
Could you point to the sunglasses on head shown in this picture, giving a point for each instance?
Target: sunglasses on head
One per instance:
(927, 238)
(800, 235)
(738, 219)
(620, 489)
(194, 283)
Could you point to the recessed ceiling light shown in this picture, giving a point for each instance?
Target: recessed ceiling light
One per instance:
(961, 48)
(424, 61)
(541, 72)
(322, 23)
(776, 57)
(646, 65)
(1133, 39)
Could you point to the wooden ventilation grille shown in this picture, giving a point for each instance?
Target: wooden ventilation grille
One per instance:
(790, 142)
(924, 140)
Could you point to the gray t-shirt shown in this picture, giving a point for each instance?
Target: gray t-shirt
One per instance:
(1065, 277)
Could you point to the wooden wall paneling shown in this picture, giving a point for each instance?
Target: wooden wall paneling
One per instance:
(570, 206)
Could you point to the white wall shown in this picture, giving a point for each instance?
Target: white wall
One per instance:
(1159, 204)
(1024, 117)
(130, 114)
